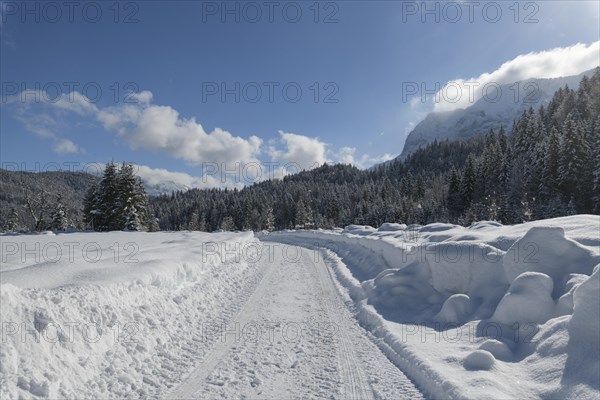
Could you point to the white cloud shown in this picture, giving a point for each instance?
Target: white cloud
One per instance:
(154, 127)
(179, 180)
(75, 102)
(41, 125)
(65, 146)
(554, 63)
(143, 125)
(301, 151)
(143, 97)
(45, 126)
(347, 155)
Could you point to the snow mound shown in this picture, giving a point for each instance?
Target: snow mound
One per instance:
(362, 230)
(582, 368)
(565, 302)
(528, 300)
(456, 309)
(121, 326)
(484, 225)
(500, 350)
(408, 286)
(391, 227)
(479, 360)
(521, 301)
(547, 250)
(437, 227)
(585, 323)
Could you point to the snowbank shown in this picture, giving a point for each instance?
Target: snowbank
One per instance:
(487, 311)
(121, 312)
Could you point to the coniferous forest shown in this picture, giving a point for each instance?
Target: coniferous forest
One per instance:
(548, 166)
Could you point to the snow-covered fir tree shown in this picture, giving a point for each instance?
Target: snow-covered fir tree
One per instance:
(119, 202)
(12, 223)
(58, 216)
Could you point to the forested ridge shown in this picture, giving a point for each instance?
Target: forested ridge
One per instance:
(548, 166)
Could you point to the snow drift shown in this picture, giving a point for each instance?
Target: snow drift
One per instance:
(113, 315)
(486, 311)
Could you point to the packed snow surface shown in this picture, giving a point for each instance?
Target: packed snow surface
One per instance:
(181, 315)
(486, 311)
(441, 311)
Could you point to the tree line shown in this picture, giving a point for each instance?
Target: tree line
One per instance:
(548, 166)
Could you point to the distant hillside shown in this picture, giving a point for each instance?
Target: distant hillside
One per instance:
(43, 187)
(484, 115)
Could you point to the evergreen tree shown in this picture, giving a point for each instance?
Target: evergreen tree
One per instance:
(92, 213)
(58, 216)
(119, 202)
(109, 207)
(573, 158)
(455, 205)
(131, 203)
(550, 176)
(468, 183)
(227, 224)
(596, 163)
(194, 224)
(269, 224)
(12, 224)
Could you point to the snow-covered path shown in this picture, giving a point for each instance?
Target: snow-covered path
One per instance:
(294, 337)
(464, 312)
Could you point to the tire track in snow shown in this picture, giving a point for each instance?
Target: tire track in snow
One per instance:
(379, 364)
(189, 386)
(356, 386)
(346, 365)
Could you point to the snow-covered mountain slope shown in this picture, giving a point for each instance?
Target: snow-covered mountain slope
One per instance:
(165, 187)
(485, 114)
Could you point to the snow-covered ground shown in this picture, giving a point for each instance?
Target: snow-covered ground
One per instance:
(439, 311)
(126, 325)
(487, 311)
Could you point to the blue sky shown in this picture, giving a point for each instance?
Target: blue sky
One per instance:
(178, 50)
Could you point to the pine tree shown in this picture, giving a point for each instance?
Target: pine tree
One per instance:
(269, 224)
(58, 216)
(153, 225)
(109, 207)
(596, 158)
(571, 207)
(92, 213)
(468, 182)
(119, 202)
(194, 224)
(455, 206)
(12, 224)
(491, 159)
(227, 224)
(131, 199)
(549, 184)
(573, 159)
